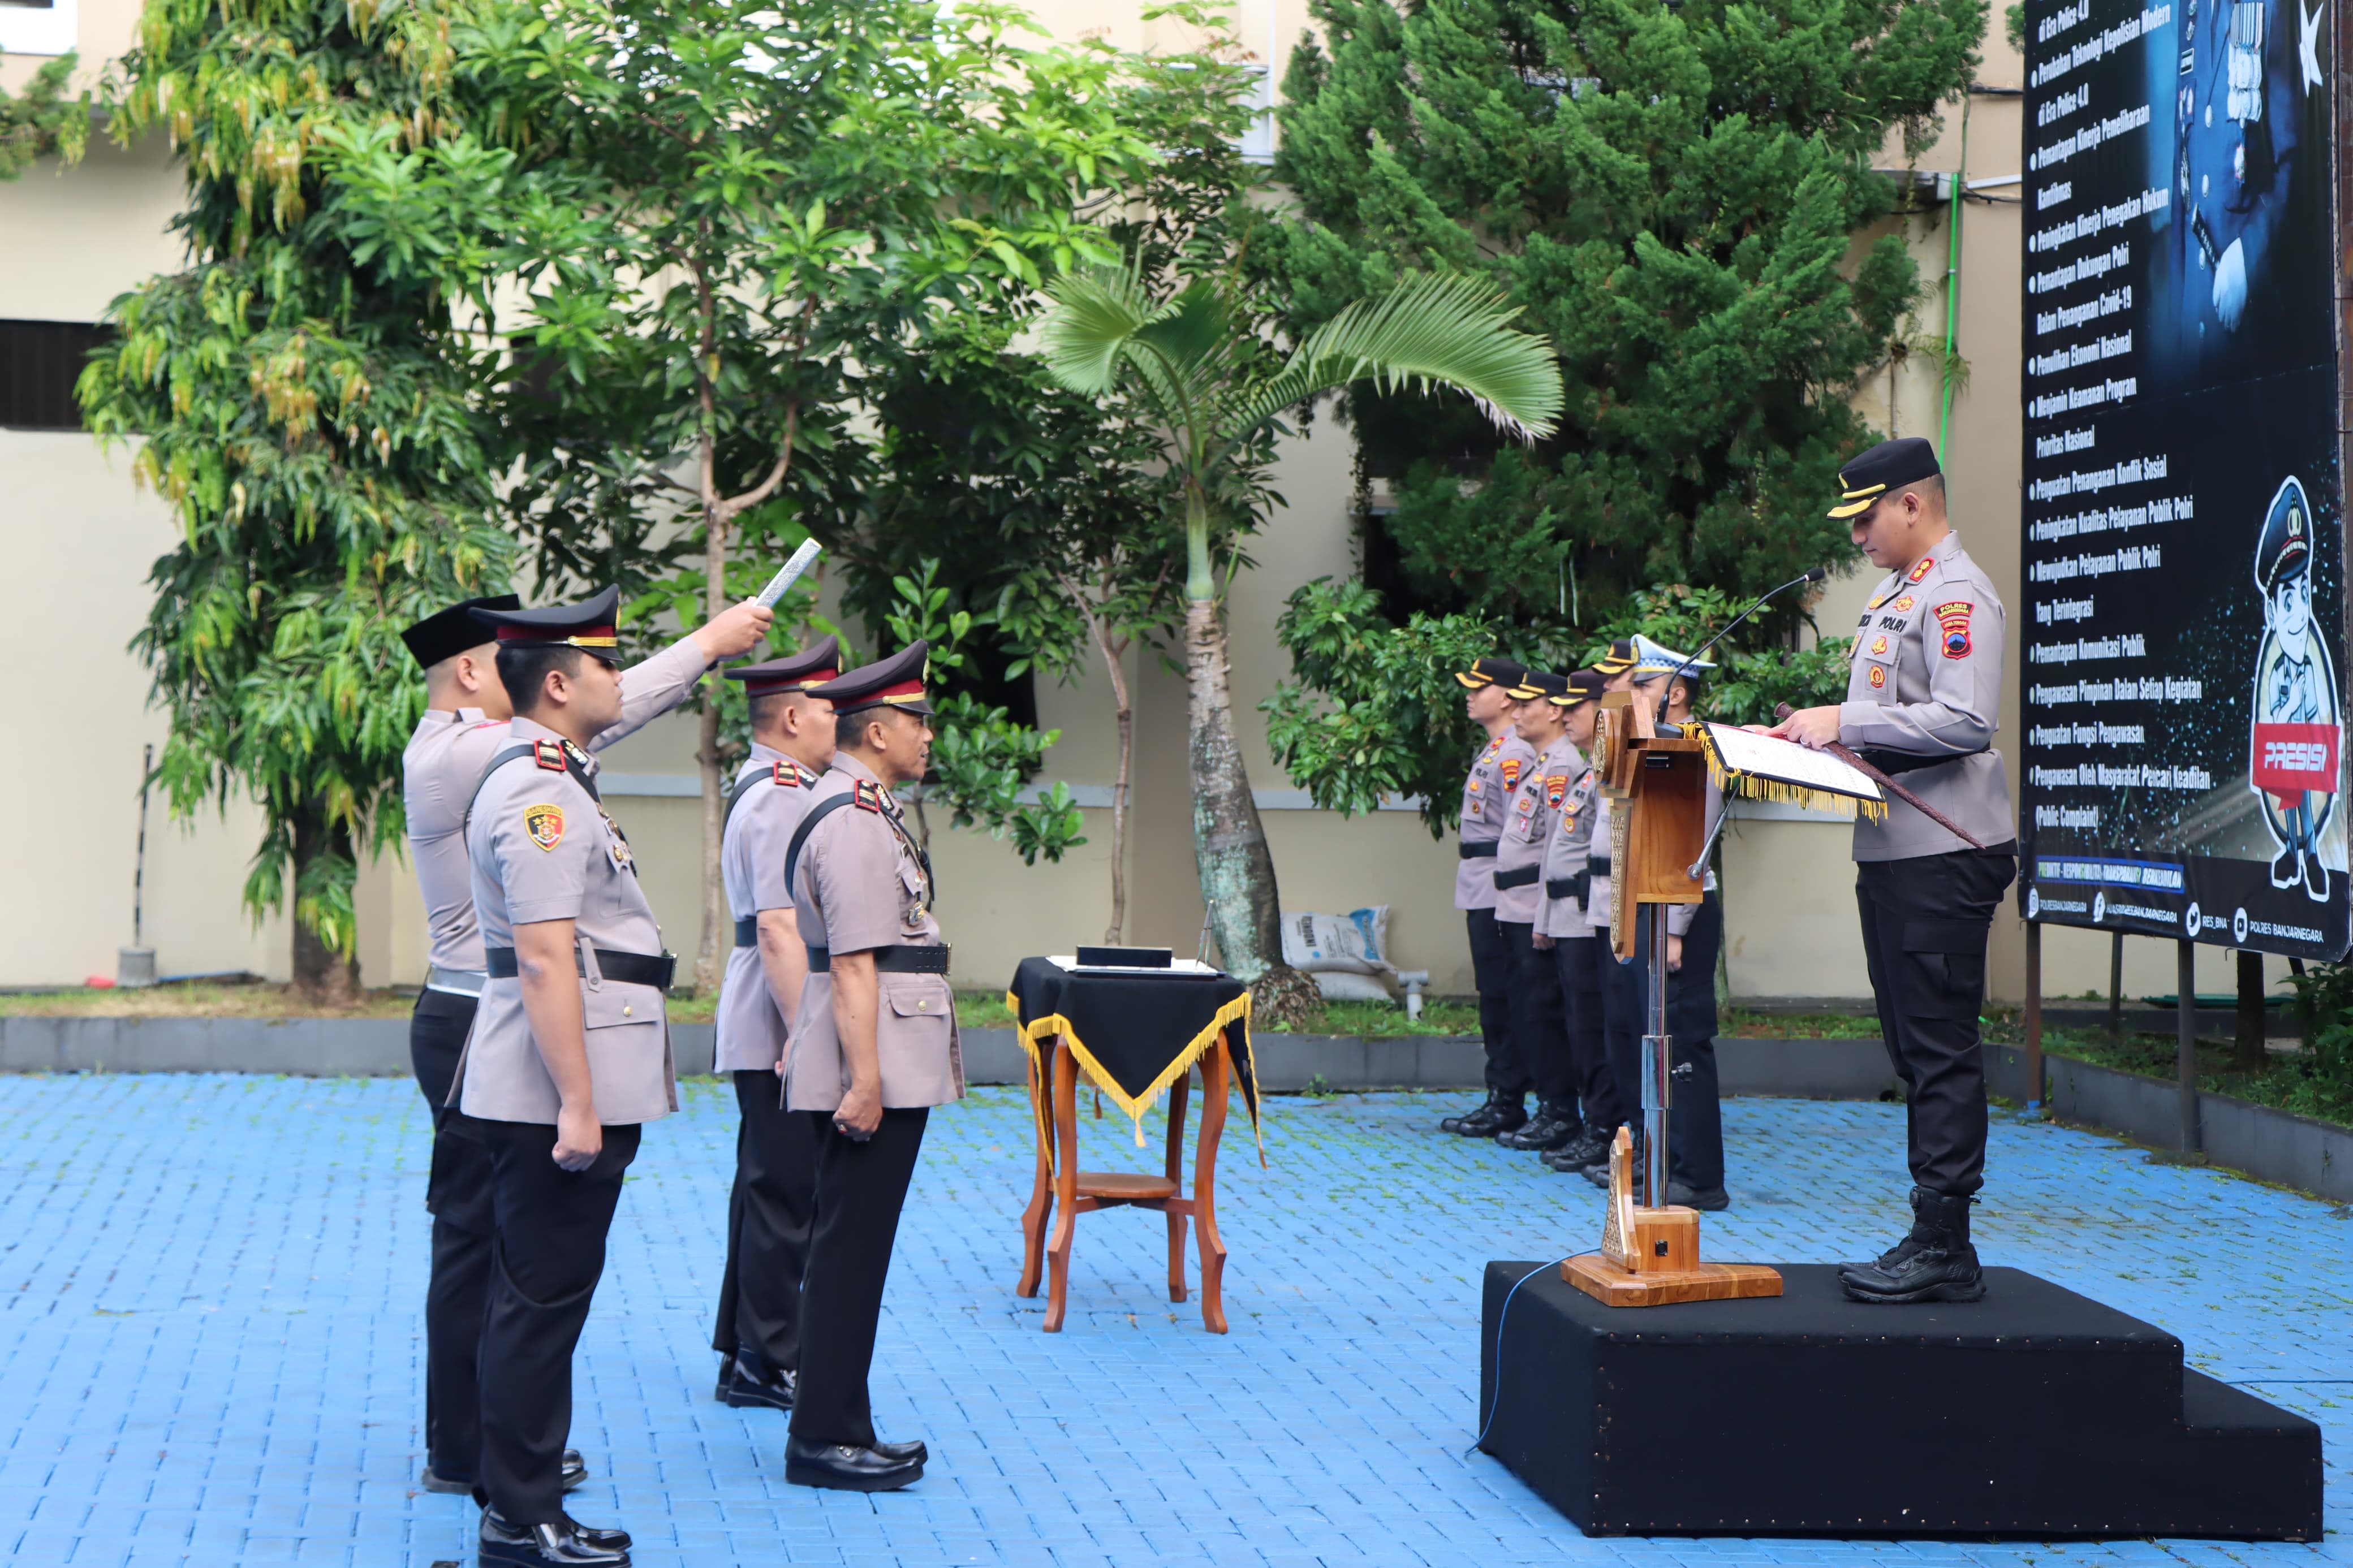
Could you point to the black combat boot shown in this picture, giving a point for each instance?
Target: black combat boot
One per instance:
(1501, 1113)
(1590, 1147)
(1554, 1126)
(1933, 1263)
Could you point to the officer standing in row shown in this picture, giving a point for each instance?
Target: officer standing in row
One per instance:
(1561, 926)
(1539, 1026)
(1922, 702)
(758, 1334)
(568, 1058)
(1487, 796)
(873, 1047)
(463, 726)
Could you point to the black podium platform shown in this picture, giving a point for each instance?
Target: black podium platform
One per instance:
(2035, 1412)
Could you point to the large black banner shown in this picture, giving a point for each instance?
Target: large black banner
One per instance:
(2182, 637)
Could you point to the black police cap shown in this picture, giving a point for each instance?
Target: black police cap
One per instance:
(2284, 549)
(1538, 683)
(444, 634)
(593, 625)
(893, 682)
(1579, 686)
(1884, 470)
(812, 666)
(1492, 671)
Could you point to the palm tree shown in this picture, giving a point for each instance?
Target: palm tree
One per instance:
(1213, 386)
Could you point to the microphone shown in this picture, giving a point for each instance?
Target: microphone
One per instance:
(1813, 575)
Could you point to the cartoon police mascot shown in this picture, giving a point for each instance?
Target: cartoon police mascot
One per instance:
(2297, 723)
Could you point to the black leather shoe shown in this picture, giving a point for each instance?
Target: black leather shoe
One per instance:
(575, 1472)
(1501, 1113)
(757, 1387)
(1554, 1127)
(567, 1543)
(1934, 1262)
(1712, 1200)
(726, 1376)
(845, 1467)
(914, 1450)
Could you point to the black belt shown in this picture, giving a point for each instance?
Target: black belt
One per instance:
(1518, 876)
(630, 968)
(1576, 887)
(1597, 867)
(1888, 762)
(892, 960)
(1481, 851)
(747, 931)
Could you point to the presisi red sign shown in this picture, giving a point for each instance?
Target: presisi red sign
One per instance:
(2181, 634)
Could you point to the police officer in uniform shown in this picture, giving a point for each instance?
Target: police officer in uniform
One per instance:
(873, 1048)
(758, 1331)
(1561, 926)
(1487, 796)
(1922, 702)
(568, 1057)
(1539, 1026)
(462, 728)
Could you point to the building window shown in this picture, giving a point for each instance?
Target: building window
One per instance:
(39, 361)
(37, 26)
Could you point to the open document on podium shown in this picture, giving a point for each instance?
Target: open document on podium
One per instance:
(1765, 767)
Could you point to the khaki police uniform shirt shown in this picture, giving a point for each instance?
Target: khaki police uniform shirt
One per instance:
(858, 887)
(752, 1030)
(443, 762)
(1566, 849)
(1486, 797)
(542, 849)
(1527, 828)
(1926, 680)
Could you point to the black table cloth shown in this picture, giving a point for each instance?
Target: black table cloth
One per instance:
(1132, 1034)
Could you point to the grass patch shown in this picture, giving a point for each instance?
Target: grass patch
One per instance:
(1379, 1020)
(2287, 1082)
(1742, 1024)
(197, 1000)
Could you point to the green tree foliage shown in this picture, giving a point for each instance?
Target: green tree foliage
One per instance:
(45, 118)
(317, 448)
(1678, 195)
(715, 232)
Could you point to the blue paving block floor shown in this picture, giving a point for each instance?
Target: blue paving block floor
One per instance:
(210, 1346)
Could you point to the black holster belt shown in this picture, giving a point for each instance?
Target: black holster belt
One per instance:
(1597, 867)
(1518, 876)
(747, 931)
(1888, 762)
(656, 970)
(1576, 887)
(1481, 851)
(892, 960)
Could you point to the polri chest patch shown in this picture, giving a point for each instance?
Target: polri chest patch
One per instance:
(1952, 619)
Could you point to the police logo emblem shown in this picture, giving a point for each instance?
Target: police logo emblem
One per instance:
(1878, 675)
(544, 823)
(1879, 645)
(1513, 767)
(1954, 619)
(1556, 790)
(1906, 602)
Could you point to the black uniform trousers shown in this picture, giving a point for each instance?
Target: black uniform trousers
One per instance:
(1695, 1119)
(458, 1195)
(768, 1229)
(860, 1188)
(548, 1258)
(1491, 971)
(1540, 1018)
(1924, 934)
(1576, 963)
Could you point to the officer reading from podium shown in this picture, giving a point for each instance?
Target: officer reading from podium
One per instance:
(873, 1048)
(1922, 702)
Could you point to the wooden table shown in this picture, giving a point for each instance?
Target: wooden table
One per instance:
(1055, 1120)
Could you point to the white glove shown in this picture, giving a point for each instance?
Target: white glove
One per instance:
(2231, 285)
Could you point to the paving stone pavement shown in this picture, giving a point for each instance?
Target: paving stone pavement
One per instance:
(210, 1346)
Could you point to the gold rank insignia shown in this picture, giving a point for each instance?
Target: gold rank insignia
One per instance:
(1876, 603)
(1927, 564)
(1906, 602)
(544, 823)
(1879, 645)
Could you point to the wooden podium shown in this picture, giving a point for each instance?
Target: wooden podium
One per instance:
(1649, 1253)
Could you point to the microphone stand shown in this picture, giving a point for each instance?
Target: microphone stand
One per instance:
(1692, 660)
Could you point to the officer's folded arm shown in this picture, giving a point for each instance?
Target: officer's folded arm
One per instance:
(549, 973)
(857, 1017)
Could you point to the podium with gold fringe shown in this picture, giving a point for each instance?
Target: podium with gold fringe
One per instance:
(1134, 1036)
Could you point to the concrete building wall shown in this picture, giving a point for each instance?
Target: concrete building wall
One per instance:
(70, 517)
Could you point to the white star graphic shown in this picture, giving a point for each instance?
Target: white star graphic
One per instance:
(2307, 54)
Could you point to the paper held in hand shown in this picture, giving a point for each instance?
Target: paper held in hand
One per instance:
(789, 573)
(1764, 767)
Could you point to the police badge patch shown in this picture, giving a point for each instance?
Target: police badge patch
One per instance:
(544, 823)
(1954, 619)
(1878, 675)
(1512, 768)
(1556, 790)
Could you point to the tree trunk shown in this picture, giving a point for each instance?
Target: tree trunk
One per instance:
(1228, 841)
(322, 975)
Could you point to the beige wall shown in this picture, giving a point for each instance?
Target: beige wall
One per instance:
(70, 517)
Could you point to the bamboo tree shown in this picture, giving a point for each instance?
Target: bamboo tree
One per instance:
(1217, 391)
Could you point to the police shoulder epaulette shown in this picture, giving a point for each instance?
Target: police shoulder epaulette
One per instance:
(789, 774)
(548, 754)
(868, 796)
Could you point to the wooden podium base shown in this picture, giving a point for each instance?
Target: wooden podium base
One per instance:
(1613, 1286)
(1650, 1256)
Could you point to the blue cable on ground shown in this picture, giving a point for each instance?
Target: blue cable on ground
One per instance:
(1501, 1318)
